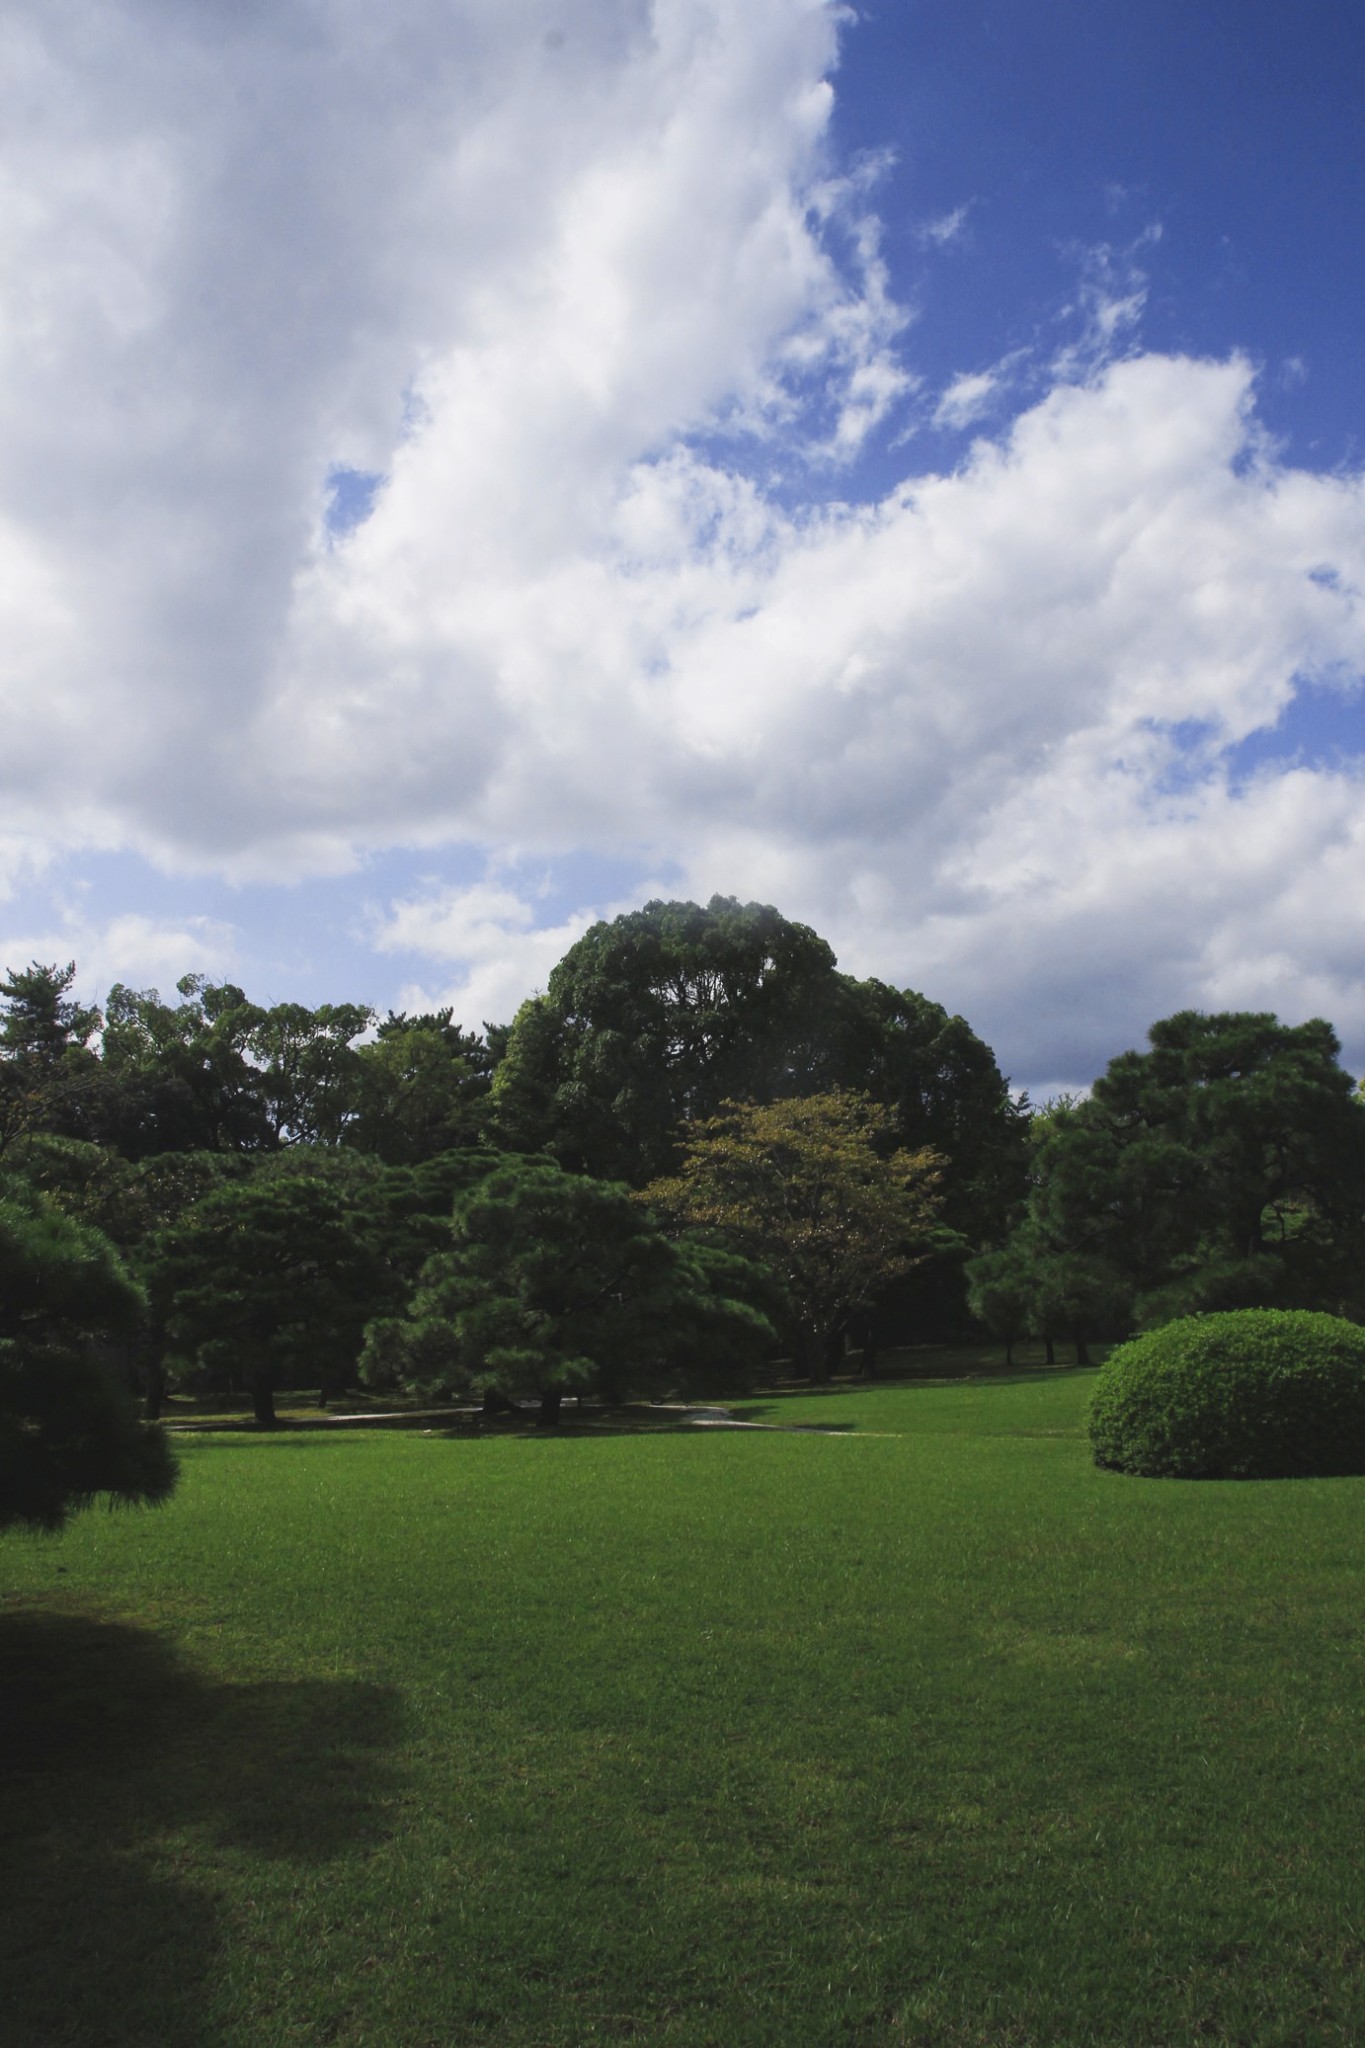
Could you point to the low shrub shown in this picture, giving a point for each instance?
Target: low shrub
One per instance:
(1250, 1394)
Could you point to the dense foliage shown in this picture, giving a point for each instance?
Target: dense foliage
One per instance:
(1223, 1168)
(68, 1430)
(812, 1190)
(1248, 1394)
(276, 1177)
(554, 1283)
(271, 1277)
(655, 1020)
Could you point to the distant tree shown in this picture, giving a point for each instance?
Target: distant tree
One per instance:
(1223, 1168)
(555, 1282)
(941, 1088)
(68, 1431)
(1001, 1294)
(652, 1021)
(268, 1282)
(181, 1077)
(401, 1214)
(41, 1020)
(810, 1188)
(49, 1075)
(408, 1216)
(216, 1072)
(422, 1088)
(309, 1069)
(656, 1019)
(1079, 1295)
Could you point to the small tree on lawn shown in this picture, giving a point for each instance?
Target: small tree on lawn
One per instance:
(555, 1282)
(68, 1430)
(811, 1188)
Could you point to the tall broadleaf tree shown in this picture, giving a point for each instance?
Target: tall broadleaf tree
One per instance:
(815, 1190)
(182, 1077)
(1224, 1167)
(657, 1018)
(652, 1021)
(421, 1089)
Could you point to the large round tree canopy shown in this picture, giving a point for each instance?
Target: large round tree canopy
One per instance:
(651, 1022)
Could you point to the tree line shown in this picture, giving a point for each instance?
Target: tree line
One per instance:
(701, 1145)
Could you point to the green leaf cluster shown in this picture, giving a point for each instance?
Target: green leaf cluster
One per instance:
(816, 1190)
(1222, 1168)
(1247, 1394)
(68, 1429)
(555, 1282)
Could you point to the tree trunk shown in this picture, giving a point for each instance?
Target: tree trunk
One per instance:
(1050, 1351)
(153, 1388)
(550, 1402)
(610, 1390)
(495, 1402)
(1009, 1354)
(263, 1400)
(805, 1349)
(1082, 1354)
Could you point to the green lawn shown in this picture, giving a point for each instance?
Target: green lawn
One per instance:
(928, 1733)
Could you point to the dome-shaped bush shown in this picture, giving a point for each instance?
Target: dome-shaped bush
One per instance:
(1252, 1394)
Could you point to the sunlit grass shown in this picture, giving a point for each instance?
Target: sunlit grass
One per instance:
(929, 1732)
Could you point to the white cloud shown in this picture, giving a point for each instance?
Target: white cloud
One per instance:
(1109, 304)
(966, 399)
(141, 952)
(946, 227)
(489, 932)
(565, 284)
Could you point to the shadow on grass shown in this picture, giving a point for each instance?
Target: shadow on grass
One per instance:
(120, 1763)
(770, 1414)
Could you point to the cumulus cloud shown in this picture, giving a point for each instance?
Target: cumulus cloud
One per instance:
(490, 934)
(140, 951)
(589, 318)
(489, 256)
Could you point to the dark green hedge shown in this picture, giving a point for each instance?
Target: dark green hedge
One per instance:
(1252, 1394)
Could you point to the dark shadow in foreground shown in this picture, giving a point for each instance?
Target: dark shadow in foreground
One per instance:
(113, 1744)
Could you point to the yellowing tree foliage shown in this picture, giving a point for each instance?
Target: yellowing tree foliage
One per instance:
(802, 1186)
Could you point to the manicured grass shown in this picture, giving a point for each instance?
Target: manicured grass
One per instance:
(930, 1733)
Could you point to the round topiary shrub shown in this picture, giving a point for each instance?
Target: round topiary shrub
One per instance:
(1258, 1393)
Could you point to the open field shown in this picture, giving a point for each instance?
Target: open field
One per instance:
(928, 1733)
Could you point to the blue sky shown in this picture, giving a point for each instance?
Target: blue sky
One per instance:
(468, 470)
(1233, 127)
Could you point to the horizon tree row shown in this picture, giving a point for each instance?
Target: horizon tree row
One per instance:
(819, 1158)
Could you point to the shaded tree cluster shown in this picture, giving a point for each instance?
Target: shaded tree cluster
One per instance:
(701, 1145)
(1222, 1168)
